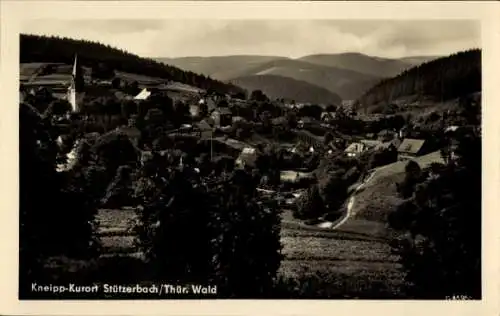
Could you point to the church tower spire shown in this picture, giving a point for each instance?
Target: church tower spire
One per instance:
(76, 86)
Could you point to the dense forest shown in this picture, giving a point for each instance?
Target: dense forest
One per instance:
(443, 79)
(36, 48)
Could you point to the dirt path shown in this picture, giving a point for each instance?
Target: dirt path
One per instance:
(351, 201)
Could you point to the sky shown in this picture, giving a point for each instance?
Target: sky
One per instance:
(288, 38)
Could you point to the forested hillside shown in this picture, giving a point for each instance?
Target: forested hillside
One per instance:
(36, 48)
(442, 79)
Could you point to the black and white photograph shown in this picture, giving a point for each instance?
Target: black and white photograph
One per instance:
(275, 159)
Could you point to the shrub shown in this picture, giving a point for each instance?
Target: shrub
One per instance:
(310, 204)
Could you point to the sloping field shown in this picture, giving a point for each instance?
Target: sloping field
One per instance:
(139, 78)
(26, 70)
(378, 197)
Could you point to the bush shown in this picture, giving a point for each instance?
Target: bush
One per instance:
(310, 205)
(413, 175)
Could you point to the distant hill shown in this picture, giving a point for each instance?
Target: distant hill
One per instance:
(348, 75)
(440, 80)
(375, 66)
(282, 87)
(345, 83)
(418, 60)
(219, 67)
(42, 49)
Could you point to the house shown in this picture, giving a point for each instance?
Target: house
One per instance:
(222, 116)
(143, 95)
(404, 131)
(387, 146)
(209, 102)
(410, 148)
(281, 120)
(370, 144)
(451, 129)
(194, 110)
(205, 130)
(328, 116)
(309, 138)
(122, 96)
(355, 149)
(386, 135)
(305, 121)
(238, 119)
(295, 176)
(247, 158)
(395, 143)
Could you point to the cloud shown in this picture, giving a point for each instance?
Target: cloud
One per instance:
(293, 38)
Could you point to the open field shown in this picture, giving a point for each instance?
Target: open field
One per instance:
(353, 261)
(61, 74)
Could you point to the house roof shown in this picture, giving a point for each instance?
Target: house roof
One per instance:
(248, 156)
(232, 143)
(385, 132)
(143, 95)
(330, 114)
(223, 111)
(355, 148)
(306, 119)
(411, 146)
(385, 145)
(452, 128)
(203, 125)
(279, 120)
(238, 118)
(371, 143)
(309, 134)
(123, 96)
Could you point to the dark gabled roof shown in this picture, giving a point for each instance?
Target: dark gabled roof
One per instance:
(203, 125)
(411, 146)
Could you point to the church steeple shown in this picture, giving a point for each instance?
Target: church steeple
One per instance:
(76, 86)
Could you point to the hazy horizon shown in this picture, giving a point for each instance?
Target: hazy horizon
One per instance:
(283, 38)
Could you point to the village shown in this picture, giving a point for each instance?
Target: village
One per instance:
(241, 130)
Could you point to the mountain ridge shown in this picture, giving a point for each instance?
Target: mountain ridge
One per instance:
(349, 81)
(277, 87)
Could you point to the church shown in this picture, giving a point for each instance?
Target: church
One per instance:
(75, 92)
